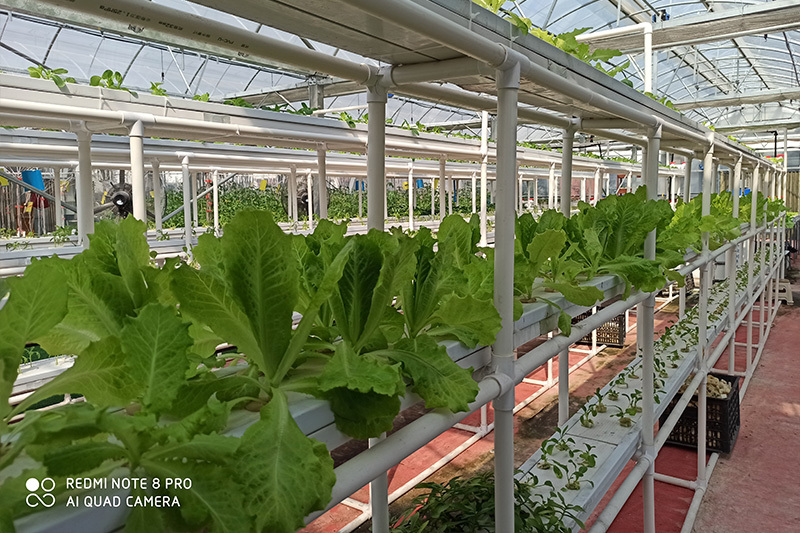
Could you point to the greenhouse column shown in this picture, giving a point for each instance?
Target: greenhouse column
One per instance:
(596, 186)
(702, 345)
(782, 190)
(566, 210)
(59, 214)
(551, 187)
(360, 184)
(155, 164)
(322, 184)
(135, 137)
(433, 197)
(187, 204)
(474, 194)
(730, 262)
(583, 189)
(442, 185)
(751, 258)
(376, 154)
(484, 163)
(644, 331)
(411, 195)
(292, 195)
(215, 193)
(84, 186)
(193, 195)
(687, 186)
(503, 349)
(310, 193)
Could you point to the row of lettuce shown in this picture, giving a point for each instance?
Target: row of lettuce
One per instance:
(374, 309)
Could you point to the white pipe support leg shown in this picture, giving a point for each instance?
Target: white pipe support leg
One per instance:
(158, 194)
(215, 194)
(84, 186)
(484, 178)
(503, 348)
(187, 199)
(376, 154)
(136, 141)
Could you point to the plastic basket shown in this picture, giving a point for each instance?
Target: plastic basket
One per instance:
(722, 421)
(611, 333)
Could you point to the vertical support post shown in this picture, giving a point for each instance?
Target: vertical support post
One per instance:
(644, 330)
(551, 187)
(474, 193)
(503, 349)
(215, 194)
(292, 200)
(484, 179)
(442, 188)
(136, 140)
(751, 258)
(730, 263)
(411, 195)
(450, 182)
(59, 209)
(158, 194)
(84, 187)
(535, 193)
(687, 180)
(360, 184)
(322, 183)
(187, 203)
(566, 210)
(376, 155)
(310, 191)
(193, 188)
(702, 348)
(596, 193)
(672, 189)
(379, 496)
(433, 198)
(583, 189)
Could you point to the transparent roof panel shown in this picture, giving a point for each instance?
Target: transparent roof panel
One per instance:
(691, 72)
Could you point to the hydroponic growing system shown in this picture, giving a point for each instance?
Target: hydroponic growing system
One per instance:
(338, 328)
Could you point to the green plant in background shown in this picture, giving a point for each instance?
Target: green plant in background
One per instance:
(55, 75)
(238, 102)
(467, 506)
(62, 234)
(156, 89)
(110, 80)
(201, 97)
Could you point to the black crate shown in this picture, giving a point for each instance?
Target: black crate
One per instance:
(722, 421)
(612, 333)
(689, 282)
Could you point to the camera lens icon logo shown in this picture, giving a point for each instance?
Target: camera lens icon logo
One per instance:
(45, 500)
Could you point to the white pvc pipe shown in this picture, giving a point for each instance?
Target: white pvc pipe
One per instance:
(292, 193)
(215, 185)
(84, 187)
(376, 154)
(310, 192)
(194, 205)
(187, 198)
(59, 213)
(411, 196)
(157, 194)
(551, 187)
(474, 194)
(442, 187)
(137, 170)
(484, 162)
(503, 349)
(322, 184)
(566, 193)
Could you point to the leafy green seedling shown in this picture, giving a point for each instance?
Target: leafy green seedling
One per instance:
(55, 75)
(624, 419)
(587, 457)
(588, 412)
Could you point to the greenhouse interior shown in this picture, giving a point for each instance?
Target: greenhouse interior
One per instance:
(414, 266)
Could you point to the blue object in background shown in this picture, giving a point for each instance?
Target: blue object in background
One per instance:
(746, 192)
(419, 184)
(33, 177)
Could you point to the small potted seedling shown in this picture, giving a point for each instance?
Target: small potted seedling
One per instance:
(564, 443)
(661, 368)
(587, 458)
(621, 381)
(624, 416)
(588, 412)
(613, 395)
(599, 406)
(547, 451)
(633, 402)
(572, 474)
(632, 373)
(674, 357)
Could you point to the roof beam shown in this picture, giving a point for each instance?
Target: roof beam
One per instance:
(769, 17)
(760, 97)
